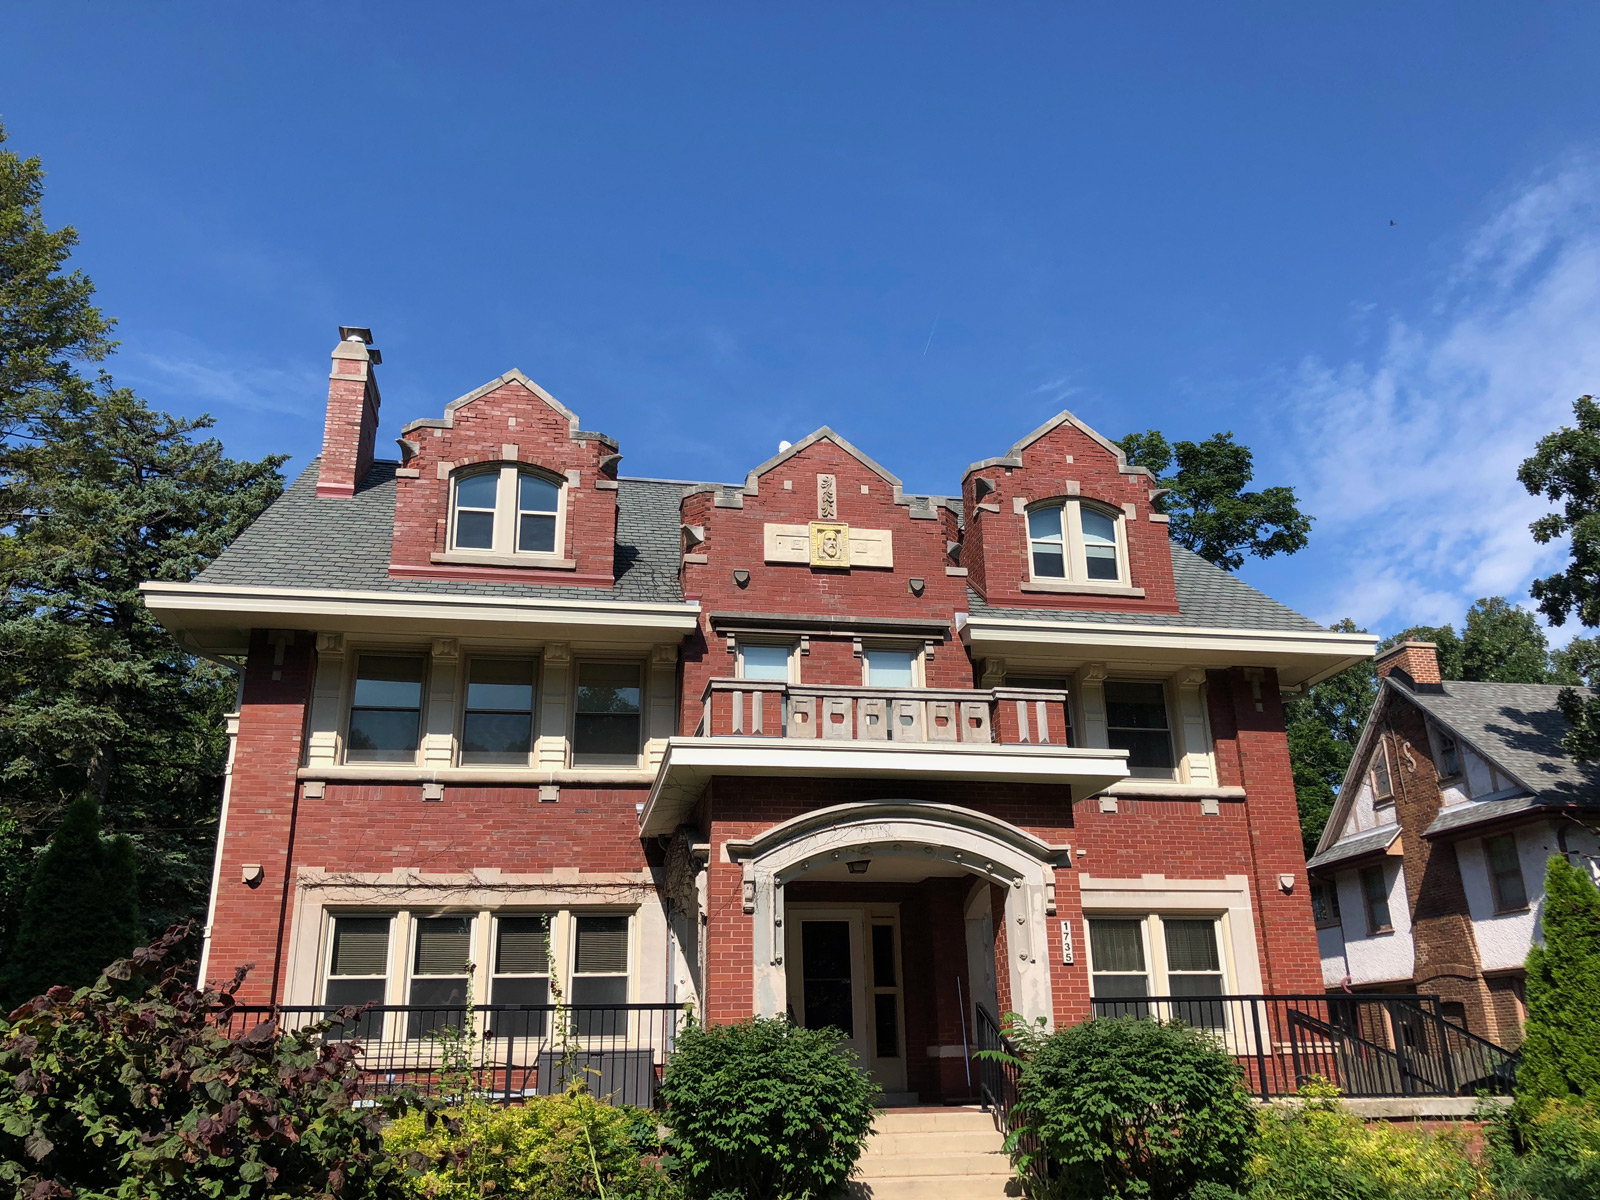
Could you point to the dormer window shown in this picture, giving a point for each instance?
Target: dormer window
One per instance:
(506, 511)
(1076, 542)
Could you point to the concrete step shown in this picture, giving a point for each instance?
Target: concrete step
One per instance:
(923, 1166)
(937, 1141)
(976, 1187)
(924, 1120)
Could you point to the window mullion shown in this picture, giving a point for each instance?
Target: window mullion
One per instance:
(505, 512)
(1156, 955)
(1072, 536)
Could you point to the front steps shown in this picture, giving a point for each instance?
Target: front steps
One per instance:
(933, 1154)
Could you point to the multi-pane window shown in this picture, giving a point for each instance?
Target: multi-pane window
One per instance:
(386, 709)
(1325, 904)
(1047, 547)
(1073, 540)
(1099, 545)
(888, 667)
(441, 969)
(885, 992)
(358, 969)
(1136, 721)
(521, 973)
(1505, 873)
(1120, 970)
(1375, 895)
(476, 501)
(599, 970)
(497, 726)
(1382, 780)
(1450, 753)
(538, 506)
(1194, 968)
(763, 660)
(506, 510)
(608, 721)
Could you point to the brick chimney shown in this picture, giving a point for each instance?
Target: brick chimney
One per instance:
(1419, 660)
(352, 425)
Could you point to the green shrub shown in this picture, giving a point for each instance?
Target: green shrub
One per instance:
(1561, 1050)
(105, 1095)
(765, 1110)
(552, 1147)
(1549, 1153)
(1318, 1150)
(1131, 1108)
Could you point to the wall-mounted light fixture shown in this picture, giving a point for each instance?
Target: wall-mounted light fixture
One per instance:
(741, 578)
(858, 866)
(916, 585)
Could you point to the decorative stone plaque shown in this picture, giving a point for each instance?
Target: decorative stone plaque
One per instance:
(830, 544)
(792, 544)
(827, 498)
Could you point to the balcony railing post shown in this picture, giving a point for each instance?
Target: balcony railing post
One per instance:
(1261, 1058)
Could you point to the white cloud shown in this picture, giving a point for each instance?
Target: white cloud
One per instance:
(1409, 459)
(177, 372)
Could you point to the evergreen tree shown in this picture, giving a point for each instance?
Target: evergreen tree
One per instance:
(1561, 1050)
(1211, 512)
(80, 912)
(98, 494)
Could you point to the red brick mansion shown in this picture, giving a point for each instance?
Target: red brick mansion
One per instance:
(515, 725)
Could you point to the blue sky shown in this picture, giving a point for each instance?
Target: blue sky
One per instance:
(710, 227)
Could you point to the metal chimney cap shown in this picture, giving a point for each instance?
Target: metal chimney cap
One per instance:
(354, 333)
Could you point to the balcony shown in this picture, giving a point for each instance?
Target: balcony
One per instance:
(978, 735)
(989, 716)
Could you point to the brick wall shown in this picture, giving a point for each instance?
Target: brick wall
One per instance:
(481, 432)
(996, 549)
(351, 424)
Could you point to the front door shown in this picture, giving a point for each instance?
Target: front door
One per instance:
(844, 972)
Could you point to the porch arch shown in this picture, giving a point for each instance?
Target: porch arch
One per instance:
(979, 844)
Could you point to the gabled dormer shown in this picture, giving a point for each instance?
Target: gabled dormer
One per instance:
(1061, 520)
(505, 485)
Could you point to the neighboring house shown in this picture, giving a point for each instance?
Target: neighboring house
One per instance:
(512, 721)
(1430, 874)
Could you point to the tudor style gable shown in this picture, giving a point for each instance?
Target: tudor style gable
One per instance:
(506, 486)
(1062, 521)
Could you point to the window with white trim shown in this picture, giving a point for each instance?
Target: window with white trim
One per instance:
(1076, 541)
(891, 666)
(766, 660)
(1137, 721)
(608, 720)
(507, 511)
(385, 709)
(522, 949)
(497, 719)
(599, 970)
(1382, 777)
(1177, 955)
(358, 969)
(441, 973)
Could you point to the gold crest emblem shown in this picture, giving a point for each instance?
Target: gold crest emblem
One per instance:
(830, 544)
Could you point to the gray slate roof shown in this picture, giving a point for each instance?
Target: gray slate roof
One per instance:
(306, 541)
(1486, 812)
(1208, 597)
(1370, 841)
(1518, 727)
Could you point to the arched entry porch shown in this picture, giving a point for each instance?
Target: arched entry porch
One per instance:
(886, 917)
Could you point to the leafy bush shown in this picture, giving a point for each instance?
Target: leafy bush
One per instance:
(106, 1095)
(766, 1110)
(1561, 1053)
(1318, 1150)
(1549, 1153)
(552, 1147)
(1132, 1108)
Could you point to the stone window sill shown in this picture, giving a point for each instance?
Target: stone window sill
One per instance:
(409, 773)
(1162, 789)
(1083, 589)
(473, 558)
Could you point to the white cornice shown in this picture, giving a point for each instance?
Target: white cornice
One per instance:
(690, 762)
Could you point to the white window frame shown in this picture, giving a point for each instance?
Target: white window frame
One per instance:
(1382, 799)
(465, 681)
(621, 763)
(402, 949)
(352, 673)
(506, 514)
(918, 651)
(793, 648)
(1175, 739)
(1157, 975)
(1076, 561)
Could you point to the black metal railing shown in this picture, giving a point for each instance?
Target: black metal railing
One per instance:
(997, 1088)
(1365, 1045)
(500, 1052)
